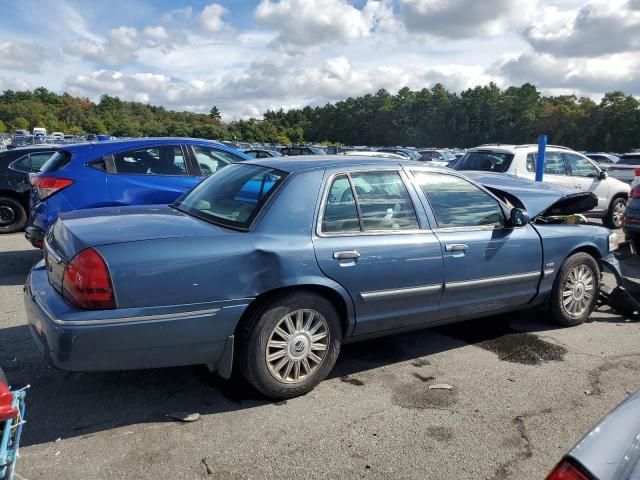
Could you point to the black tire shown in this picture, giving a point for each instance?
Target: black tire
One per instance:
(611, 218)
(12, 211)
(254, 334)
(559, 313)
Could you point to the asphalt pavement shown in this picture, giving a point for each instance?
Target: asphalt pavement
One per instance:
(523, 392)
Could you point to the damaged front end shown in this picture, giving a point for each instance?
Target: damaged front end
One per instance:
(622, 299)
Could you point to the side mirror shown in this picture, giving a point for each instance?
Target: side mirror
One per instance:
(518, 218)
(602, 175)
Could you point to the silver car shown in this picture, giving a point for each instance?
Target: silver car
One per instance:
(610, 451)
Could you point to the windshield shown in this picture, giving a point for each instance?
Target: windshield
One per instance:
(233, 196)
(485, 161)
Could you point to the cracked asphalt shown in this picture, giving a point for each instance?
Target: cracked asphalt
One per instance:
(523, 393)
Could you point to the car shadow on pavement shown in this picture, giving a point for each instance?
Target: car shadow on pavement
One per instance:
(15, 265)
(66, 405)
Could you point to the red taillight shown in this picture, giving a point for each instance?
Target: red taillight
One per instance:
(635, 192)
(567, 471)
(47, 186)
(87, 283)
(636, 172)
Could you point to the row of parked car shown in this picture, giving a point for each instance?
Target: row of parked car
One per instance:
(158, 170)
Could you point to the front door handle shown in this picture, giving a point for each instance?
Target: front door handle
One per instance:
(346, 255)
(456, 247)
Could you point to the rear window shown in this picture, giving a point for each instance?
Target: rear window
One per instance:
(485, 161)
(233, 196)
(56, 162)
(629, 160)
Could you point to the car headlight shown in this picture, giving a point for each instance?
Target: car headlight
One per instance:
(613, 241)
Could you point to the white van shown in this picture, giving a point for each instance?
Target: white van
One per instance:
(39, 131)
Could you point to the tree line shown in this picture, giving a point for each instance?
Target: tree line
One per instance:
(427, 117)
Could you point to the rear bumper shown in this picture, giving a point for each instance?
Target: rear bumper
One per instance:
(77, 340)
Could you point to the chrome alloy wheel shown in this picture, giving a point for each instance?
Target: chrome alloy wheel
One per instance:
(618, 213)
(297, 346)
(577, 291)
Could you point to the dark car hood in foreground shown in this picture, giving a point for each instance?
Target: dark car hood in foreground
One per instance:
(612, 449)
(537, 198)
(78, 230)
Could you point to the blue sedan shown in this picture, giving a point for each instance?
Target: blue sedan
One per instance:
(271, 265)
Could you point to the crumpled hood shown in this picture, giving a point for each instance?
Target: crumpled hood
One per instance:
(537, 198)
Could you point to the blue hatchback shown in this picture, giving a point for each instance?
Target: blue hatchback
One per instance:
(140, 171)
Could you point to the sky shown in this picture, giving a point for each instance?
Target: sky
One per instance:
(249, 56)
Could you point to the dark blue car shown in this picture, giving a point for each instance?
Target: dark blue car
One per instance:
(271, 265)
(117, 173)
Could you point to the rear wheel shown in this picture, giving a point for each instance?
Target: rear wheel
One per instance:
(13, 216)
(290, 344)
(575, 290)
(613, 218)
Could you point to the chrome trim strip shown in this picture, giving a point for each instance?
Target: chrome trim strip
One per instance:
(57, 258)
(548, 272)
(399, 292)
(491, 280)
(141, 318)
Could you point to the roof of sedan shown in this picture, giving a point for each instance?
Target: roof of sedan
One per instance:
(312, 162)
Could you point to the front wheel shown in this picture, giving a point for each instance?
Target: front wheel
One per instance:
(613, 218)
(289, 344)
(575, 290)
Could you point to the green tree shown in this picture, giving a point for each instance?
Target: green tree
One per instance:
(215, 113)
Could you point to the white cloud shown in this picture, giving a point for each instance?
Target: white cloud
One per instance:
(597, 28)
(302, 24)
(267, 84)
(13, 83)
(586, 75)
(157, 33)
(456, 19)
(24, 57)
(211, 18)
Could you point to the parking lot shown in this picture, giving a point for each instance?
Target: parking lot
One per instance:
(523, 392)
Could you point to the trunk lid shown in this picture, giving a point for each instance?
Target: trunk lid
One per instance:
(537, 198)
(75, 231)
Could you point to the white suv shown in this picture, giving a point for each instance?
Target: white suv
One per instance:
(563, 166)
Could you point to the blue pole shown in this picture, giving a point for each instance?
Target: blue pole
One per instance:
(542, 149)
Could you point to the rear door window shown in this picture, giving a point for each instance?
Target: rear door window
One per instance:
(164, 160)
(368, 201)
(553, 163)
(485, 161)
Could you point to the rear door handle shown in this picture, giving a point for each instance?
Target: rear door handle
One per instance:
(456, 247)
(346, 255)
